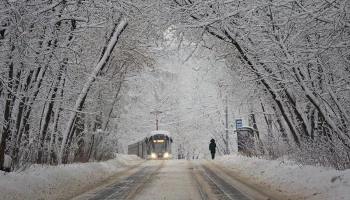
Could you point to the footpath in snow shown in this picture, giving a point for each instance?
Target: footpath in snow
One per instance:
(314, 183)
(60, 182)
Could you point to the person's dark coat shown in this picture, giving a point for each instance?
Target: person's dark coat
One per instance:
(212, 146)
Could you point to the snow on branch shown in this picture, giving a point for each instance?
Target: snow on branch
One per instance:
(77, 107)
(48, 7)
(81, 19)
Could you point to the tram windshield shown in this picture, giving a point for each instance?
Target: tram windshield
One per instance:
(159, 143)
(159, 146)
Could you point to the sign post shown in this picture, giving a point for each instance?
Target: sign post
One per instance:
(238, 124)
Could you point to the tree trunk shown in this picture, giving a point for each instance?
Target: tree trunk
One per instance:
(274, 95)
(80, 101)
(7, 115)
(48, 114)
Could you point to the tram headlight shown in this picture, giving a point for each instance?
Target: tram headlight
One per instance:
(166, 155)
(153, 155)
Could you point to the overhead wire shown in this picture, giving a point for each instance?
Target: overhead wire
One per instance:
(174, 122)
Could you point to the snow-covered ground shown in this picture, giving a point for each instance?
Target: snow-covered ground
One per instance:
(314, 183)
(62, 182)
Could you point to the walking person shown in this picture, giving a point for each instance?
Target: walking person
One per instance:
(212, 148)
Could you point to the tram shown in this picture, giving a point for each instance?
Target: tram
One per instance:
(157, 145)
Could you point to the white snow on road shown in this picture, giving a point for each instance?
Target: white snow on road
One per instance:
(64, 181)
(173, 181)
(60, 182)
(314, 183)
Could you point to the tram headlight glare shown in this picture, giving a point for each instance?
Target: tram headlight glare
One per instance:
(153, 155)
(166, 155)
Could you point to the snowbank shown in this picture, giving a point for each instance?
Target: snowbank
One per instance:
(60, 182)
(290, 179)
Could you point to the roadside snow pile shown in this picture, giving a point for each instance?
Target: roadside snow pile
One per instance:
(63, 181)
(312, 182)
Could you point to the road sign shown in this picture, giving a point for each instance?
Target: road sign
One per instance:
(238, 123)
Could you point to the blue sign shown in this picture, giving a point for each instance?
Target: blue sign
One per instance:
(238, 123)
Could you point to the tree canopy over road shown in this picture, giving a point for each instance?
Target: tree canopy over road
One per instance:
(78, 79)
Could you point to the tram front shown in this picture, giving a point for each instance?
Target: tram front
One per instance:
(160, 145)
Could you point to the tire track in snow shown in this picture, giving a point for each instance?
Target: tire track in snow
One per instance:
(227, 190)
(125, 188)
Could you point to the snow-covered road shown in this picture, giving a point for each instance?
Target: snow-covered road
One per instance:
(134, 178)
(177, 179)
(154, 179)
(173, 180)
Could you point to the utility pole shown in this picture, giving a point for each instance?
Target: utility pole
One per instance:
(156, 112)
(226, 113)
